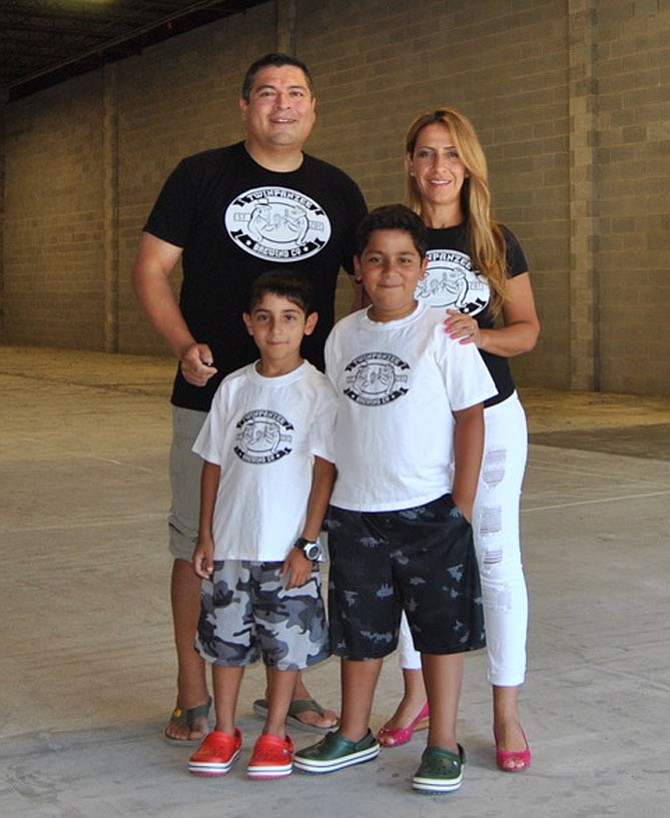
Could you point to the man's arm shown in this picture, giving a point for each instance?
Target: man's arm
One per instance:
(155, 261)
(468, 451)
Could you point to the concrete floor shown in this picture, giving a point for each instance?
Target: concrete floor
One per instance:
(86, 677)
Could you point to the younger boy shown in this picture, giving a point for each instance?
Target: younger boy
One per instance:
(266, 481)
(409, 439)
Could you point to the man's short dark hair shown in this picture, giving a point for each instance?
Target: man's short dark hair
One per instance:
(287, 284)
(275, 59)
(392, 217)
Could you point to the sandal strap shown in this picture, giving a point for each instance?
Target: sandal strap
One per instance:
(190, 715)
(303, 706)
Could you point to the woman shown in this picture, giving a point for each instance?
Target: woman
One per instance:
(477, 272)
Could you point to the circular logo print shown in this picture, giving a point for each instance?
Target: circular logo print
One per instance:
(451, 282)
(376, 378)
(277, 223)
(263, 436)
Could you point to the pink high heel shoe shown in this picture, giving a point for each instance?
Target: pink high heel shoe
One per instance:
(514, 761)
(389, 737)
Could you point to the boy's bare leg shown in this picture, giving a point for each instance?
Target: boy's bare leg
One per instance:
(191, 676)
(359, 680)
(226, 683)
(443, 677)
(281, 684)
(507, 728)
(191, 679)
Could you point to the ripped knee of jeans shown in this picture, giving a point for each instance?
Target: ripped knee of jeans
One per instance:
(492, 556)
(490, 524)
(493, 467)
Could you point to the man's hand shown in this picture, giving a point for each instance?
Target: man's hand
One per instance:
(197, 364)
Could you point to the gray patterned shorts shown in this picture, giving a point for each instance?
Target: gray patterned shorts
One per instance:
(246, 614)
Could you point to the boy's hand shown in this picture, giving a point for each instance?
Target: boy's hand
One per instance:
(203, 559)
(464, 508)
(297, 568)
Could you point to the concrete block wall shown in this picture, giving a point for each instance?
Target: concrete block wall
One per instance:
(175, 100)
(53, 290)
(505, 65)
(633, 205)
(570, 100)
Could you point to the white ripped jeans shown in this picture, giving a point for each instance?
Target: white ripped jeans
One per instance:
(496, 536)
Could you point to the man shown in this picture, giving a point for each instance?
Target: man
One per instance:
(229, 214)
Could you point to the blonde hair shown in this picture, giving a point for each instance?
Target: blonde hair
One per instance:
(485, 240)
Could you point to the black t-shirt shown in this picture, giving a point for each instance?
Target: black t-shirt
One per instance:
(452, 282)
(234, 220)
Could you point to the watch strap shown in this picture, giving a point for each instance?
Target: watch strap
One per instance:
(306, 546)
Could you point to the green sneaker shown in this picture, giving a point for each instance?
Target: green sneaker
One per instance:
(334, 752)
(440, 770)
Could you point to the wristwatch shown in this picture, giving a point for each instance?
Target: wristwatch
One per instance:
(312, 550)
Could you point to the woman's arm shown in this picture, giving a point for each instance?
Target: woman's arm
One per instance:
(521, 327)
(154, 263)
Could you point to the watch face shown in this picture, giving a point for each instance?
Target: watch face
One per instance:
(312, 551)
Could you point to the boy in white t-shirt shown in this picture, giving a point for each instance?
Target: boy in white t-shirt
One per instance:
(409, 440)
(266, 480)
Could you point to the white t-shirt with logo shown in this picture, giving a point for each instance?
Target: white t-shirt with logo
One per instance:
(397, 384)
(264, 434)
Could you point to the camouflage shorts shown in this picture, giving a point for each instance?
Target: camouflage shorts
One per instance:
(246, 614)
(421, 560)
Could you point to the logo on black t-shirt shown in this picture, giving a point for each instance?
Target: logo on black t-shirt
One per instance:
(277, 224)
(263, 436)
(452, 282)
(376, 378)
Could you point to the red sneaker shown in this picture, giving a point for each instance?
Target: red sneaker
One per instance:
(217, 753)
(272, 757)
